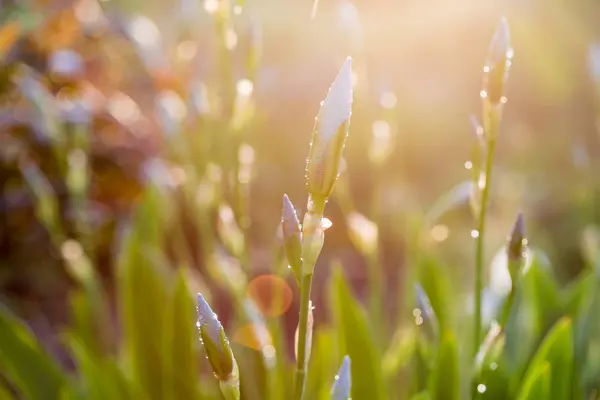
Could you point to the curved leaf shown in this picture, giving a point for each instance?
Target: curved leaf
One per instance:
(557, 351)
(356, 340)
(445, 381)
(25, 362)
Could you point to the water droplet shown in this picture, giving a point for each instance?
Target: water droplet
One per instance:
(493, 366)
(481, 388)
(486, 69)
(416, 312)
(468, 164)
(326, 223)
(525, 242)
(474, 233)
(503, 99)
(337, 377)
(483, 94)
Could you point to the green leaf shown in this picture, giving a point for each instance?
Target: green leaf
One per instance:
(421, 396)
(557, 350)
(322, 363)
(436, 283)
(142, 292)
(454, 197)
(356, 340)
(577, 295)
(181, 368)
(536, 307)
(5, 394)
(539, 281)
(445, 380)
(536, 384)
(25, 362)
(490, 368)
(100, 377)
(399, 354)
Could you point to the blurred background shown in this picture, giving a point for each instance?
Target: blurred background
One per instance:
(138, 86)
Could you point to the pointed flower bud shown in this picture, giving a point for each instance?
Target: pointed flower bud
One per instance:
(516, 239)
(329, 135)
(515, 247)
(343, 382)
(497, 64)
(216, 345)
(292, 237)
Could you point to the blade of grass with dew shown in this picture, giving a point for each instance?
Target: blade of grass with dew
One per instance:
(445, 380)
(557, 350)
(356, 340)
(490, 374)
(25, 363)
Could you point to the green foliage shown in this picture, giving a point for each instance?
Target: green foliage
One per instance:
(543, 342)
(25, 363)
(356, 340)
(445, 380)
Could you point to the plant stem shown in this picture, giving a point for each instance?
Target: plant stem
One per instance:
(479, 252)
(301, 360)
(375, 291)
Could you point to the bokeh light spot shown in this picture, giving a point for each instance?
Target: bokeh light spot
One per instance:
(440, 232)
(254, 336)
(388, 100)
(272, 295)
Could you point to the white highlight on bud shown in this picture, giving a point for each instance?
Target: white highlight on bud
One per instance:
(337, 106)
